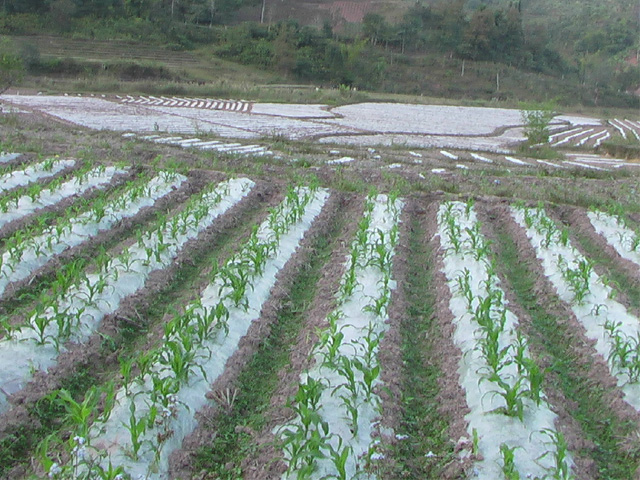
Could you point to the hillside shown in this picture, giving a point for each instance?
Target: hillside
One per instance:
(496, 50)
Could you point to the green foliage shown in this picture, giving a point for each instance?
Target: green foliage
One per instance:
(11, 67)
(536, 118)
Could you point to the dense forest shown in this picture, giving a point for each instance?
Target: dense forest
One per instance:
(519, 34)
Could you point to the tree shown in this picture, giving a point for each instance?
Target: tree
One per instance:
(479, 36)
(450, 19)
(375, 28)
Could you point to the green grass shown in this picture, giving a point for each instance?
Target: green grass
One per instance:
(427, 428)
(570, 374)
(259, 377)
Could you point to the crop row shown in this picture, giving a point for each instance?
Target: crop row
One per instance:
(22, 202)
(11, 177)
(80, 300)
(26, 251)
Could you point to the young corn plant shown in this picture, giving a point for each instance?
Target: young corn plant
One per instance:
(509, 469)
(370, 372)
(529, 369)
(347, 370)
(512, 392)
(306, 441)
(379, 304)
(464, 286)
(339, 456)
(625, 351)
(454, 234)
(235, 282)
(329, 341)
(561, 468)
(137, 427)
(350, 280)
(39, 322)
(578, 278)
(79, 414)
(181, 356)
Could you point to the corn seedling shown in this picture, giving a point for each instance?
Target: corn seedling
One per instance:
(329, 343)
(380, 303)
(306, 442)
(235, 279)
(561, 469)
(145, 361)
(512, 393)
(370, 374)
(339, 456)
(137, 428)
(579, 278)
(508, 462)
(126, 365)
(464, 286)
(625, 351)
(351, 405)
(181, 357)
(350, 280)
(475, 442)
(79, 414)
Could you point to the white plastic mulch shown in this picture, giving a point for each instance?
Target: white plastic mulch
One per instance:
(618, 235)
(114, 440)
(42, 248)
(7, 157)
(356, 322)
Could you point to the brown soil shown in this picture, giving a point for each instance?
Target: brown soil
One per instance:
(392, 371)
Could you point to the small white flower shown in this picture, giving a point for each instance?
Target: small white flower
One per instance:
(81, 453)
(54, 470)
(79, 440)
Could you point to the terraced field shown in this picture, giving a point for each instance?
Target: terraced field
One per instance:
(162, 325)
(176, 306)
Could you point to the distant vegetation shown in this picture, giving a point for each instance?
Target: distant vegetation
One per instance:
(418, 53)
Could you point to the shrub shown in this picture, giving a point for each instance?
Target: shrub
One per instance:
(536, 118)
